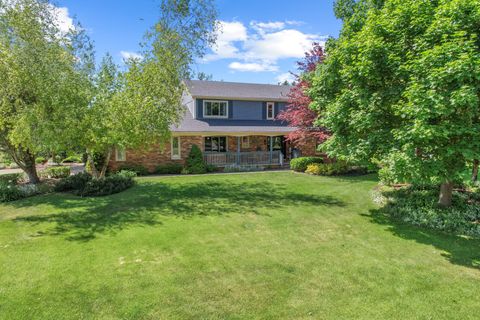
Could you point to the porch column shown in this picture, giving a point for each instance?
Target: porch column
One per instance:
(271, 149)
(238, 151)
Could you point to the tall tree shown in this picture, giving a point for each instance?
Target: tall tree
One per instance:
(44, 76)
(140, 105)
(400, 87)
(298, 113)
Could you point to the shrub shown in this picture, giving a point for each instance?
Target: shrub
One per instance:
(75, 182)
(40, 160)
(55, 172)
(211, 168)
(9, 192)
(137, 168)
(109, 185)
(417, 205)
(327, 169)
(173, 168)
(301, 164)
(127, 174)
(72, 159)
(10, 178)
(194, 163)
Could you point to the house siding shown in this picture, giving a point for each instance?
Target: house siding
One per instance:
(242, 110)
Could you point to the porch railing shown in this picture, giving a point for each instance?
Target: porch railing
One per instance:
(221, 159)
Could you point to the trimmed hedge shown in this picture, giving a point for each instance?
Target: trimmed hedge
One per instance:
(10, 178)
(301, 164)
(9, 192)
(55, 172)
(83, 184)
(75, 182)
(173, 168)
(137, 168)
(72, 159)
(40, 160)
(327, 169)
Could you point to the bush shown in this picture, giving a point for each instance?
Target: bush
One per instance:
(127, 174)
(137, 168)
(109, 185)
(9, 192)
(75, 182)
(301, 164)
(173, 168)
(194, 163)
(72, 159)
(10, 178)
(327, 169)
(55, 172)
(40, 160)
(417, 205)
(211, 168)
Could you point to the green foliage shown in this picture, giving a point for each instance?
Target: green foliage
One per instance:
(137, 168)
(417, 205)
(40, 160)
(173, 168)
(72, 159)
(194, 163)
(237, 168)
(109, 185)
(73, 182)
(400, 88)
(55, 172)
(211, 168)
(300, 164)
(11, 178)
(9, 192)
(328, 169)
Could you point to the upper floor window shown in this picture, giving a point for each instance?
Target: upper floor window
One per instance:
(120, 154)
(215, 109)
(175, 147)
(270, 110)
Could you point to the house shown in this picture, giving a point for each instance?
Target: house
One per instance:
(232, 123)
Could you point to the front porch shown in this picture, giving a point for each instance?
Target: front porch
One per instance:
(223, 159)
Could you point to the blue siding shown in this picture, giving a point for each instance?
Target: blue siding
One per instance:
(243, 113)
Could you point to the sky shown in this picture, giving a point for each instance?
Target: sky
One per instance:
(259, 40)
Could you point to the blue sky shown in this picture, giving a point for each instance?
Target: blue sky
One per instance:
(260, 39)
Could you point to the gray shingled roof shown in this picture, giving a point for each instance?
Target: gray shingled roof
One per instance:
(236, 90)
(188, 124)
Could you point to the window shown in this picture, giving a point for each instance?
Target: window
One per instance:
(175, 147)
(270, 110)
(215, 109)
(120, 154)
(245, 142)
(215, 144)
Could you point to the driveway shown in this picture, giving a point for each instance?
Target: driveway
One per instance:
(75, 167)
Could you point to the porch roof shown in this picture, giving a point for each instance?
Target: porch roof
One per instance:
(191, 126)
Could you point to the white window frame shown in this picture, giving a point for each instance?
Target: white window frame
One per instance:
(217, 117)
(272, 105)
(247, 143)
(179, 155)
(120, 154)
(226, 143)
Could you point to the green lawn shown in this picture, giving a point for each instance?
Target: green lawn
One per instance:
(273, 245)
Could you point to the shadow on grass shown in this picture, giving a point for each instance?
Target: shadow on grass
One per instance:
(456, 249)
(82, 219)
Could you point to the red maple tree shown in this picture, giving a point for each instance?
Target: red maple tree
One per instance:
(298, 113)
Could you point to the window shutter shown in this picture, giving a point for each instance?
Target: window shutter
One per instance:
(199, 109)
(264, 110)
(277, 109)
(230, 109)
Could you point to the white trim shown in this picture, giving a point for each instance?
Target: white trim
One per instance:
(270, 104)
(231, 134)
(216, 136)
(216, 117)
(118, 151)
(242, 98)
(179, 156)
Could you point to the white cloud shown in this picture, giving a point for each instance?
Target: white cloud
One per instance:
(229, 33)
(260, 46)
(252, 67)
(126, 55)
(62, 19)
(287, 76)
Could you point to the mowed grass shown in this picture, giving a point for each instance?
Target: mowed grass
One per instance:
(273, 245)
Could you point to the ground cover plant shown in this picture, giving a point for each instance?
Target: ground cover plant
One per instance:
(269, 245)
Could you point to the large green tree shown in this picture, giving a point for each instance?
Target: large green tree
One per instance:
(44, 77)
(401, 87)
(137, 108)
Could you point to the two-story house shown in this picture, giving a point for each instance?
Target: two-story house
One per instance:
(232, 123)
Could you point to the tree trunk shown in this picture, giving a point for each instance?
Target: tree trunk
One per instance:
(105, 164)
(25, 160)
(445, 198)
(91, 165)
(475, 170)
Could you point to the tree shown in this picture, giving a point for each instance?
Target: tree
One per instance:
(44, 76)
(298, 112)
(138, 107)
(400, 88)
(204, 77)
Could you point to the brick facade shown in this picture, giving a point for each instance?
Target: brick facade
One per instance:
(151, 157)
